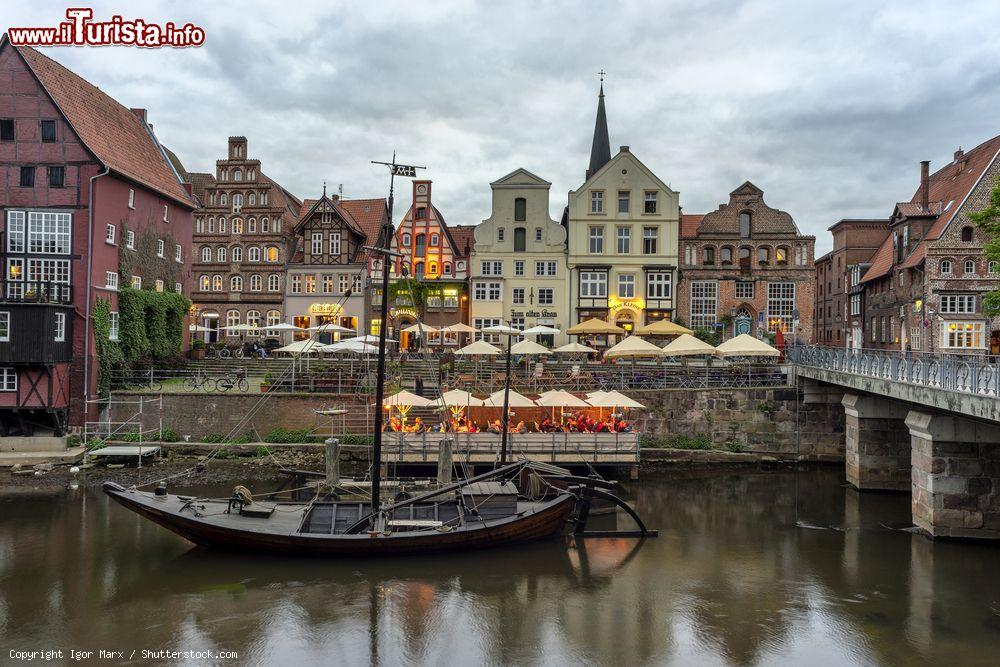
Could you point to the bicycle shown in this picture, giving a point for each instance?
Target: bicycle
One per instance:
(230, 380)
(199, 382)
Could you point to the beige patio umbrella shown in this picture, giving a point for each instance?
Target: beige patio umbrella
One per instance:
(495, 400)
(633, 347)
(746, 345)
(614, 399)
(307, 346)
(419, 328)
(457, 400)
(594, 326)
(529, 347)
(687, 345)
(558, 398)
(459, 327)
(405, 401)
(480, 347)
(662, 328)
(573, 348)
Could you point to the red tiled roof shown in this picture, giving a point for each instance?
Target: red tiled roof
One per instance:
(369, 215)
(284, 199)
(881, 261)
(462, 234)
(689, 224)
(306, 205)
(115, 135)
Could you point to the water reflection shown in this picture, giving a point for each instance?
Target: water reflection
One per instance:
(749, 568)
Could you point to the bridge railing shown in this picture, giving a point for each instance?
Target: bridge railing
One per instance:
(969, 373)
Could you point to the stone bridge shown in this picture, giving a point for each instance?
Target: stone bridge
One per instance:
(927, 424)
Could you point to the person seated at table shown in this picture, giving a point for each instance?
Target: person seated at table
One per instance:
(474, 427)
(445, 426)
(602, 427)
(520, 428)
(391, 424)
(494, 427)
(418, 426)
(546, 426)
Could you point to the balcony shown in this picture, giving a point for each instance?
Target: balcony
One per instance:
(23, 291)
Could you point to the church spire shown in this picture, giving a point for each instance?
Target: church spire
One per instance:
(600, 149)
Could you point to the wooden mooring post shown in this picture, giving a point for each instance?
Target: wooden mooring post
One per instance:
(332, 462)
(446, 453)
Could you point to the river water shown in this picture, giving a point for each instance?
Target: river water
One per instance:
(749, 568)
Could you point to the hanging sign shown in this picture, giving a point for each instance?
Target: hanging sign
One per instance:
(403, 170)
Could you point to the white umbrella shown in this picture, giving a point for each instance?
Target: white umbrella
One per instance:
(687, 345)
(480, 347)
(559, 398)
(541, 329)
(358, 347)
(283, 326)
(633, 347)
(197, 328)
(458, 327)
(420, 329)
(529, 347)
(367, 338)
(406, 398)
(240, 328)
(329, 327)
(501, 329)
(573, 348)
(746, 345)
(515, 400)
(614, 399)
(460, 398)
(307, 346)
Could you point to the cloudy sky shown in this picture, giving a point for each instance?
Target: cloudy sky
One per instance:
(827, 106)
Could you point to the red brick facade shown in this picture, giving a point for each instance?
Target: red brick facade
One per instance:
(746, 268)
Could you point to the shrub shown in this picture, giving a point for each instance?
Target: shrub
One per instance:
(169, 435)
(734, 445)
(354, 439)
(282, 435)
(243, 439)
(213, 438)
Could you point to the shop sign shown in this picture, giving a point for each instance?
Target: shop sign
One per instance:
(325, 308)
(534, 313)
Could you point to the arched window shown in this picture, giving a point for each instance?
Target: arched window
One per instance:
(236, 284)
(265, 226)
(237, 253)
(745, 225)
(251, 174)
(237, 202)
(966, 233)
(255, 282)
(273, 282)
(418, 270)
(420, 245)
(432, 267)
(406, 240)
(221, 254)
(217, 283)
(199, 225)
(745, 255)
(520, 209)
(204, 283)
(273, 319)
(253, 319)
(781, 255)
(222, 225)
(726, 255)
(993, 267)
(237, 226)
(232, 318)
(946, 266)
(272, 254)
(252, 199)
(276, 226)
(238, 175)
(252, 226)
(446, 268)
(253, 254)
(970, 267)
(222, 199)
(211, 225)
(763, 254)
(708, 255)
(206, 254)
(435, 240)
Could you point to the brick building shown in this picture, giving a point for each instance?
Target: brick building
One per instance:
(924, 288)
(746, 268)
(88, 198)
(838, 309)
(242, 240)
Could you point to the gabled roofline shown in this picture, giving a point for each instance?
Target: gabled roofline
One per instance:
(612, 161)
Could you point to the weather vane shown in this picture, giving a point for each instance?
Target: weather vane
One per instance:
(602, 73)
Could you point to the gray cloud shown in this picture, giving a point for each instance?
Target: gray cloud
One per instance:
(826, 106)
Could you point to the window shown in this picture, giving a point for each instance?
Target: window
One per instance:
(7, 129)
(519, 267)
(744, 289)
(623, 201)
(650, 201)
(520, 239)
(159, 285)
(166, 210)
(237, 225)
(946, 266)
(136, 282)
(708, 256)
(855, 304)
(253, 319)
(232, 318)
(27, 177)
(57, 176)
(781, 256)
(111, 280)
(8, 379)
(273, 283)
(253, 254)
(520, 209)
(204, 283)
(309, 283)
(272, 254)
(780, 304)
(49, 233)
(217, 283)
(421, 213)
(356, 288)
(970, 267)
(206, 254)
(109, 234)
(726, 255)
(251, 199)
(177, 253)
(265, 226)
(296, 284)
(113, 325)
(545, 268)
(958, 303)
(48, 131)
(343, 280)
(236, 284)
(252, 226)
(546, 296)
(220, 254)
(594, 284)
(317, 243)
(160, 249)
(538, 234)
(130, 239)
(626, 286)
(596, 238)
(51, 270)
(624, 236)
(966, 234)
(704, 303)
(486, 291)
(60, 334)
(237, 202)
(492, 268)
(649, 240)
(255, 282)
(962, 335)
(273, 320)
(446, 269)
(15, 231)
(177, 288)
(223, 200)
(485, 322)
(500, 234)
(597, 201)
(993, 267)
(405, 242)
(5, 326)
(744, 225)
(131, 198)
(517, 296)
(658, 286)
(237, 174)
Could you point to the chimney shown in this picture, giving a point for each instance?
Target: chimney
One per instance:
(959, 159)
(623, 149)
(140, 113)
(925, 168)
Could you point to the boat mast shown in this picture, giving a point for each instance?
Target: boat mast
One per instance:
(385, 251)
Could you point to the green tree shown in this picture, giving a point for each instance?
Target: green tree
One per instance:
(988, 220)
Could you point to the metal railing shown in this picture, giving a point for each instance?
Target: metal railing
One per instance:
(36, 291)
(969, 373)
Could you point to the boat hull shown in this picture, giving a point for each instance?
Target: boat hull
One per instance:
(244, 535)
